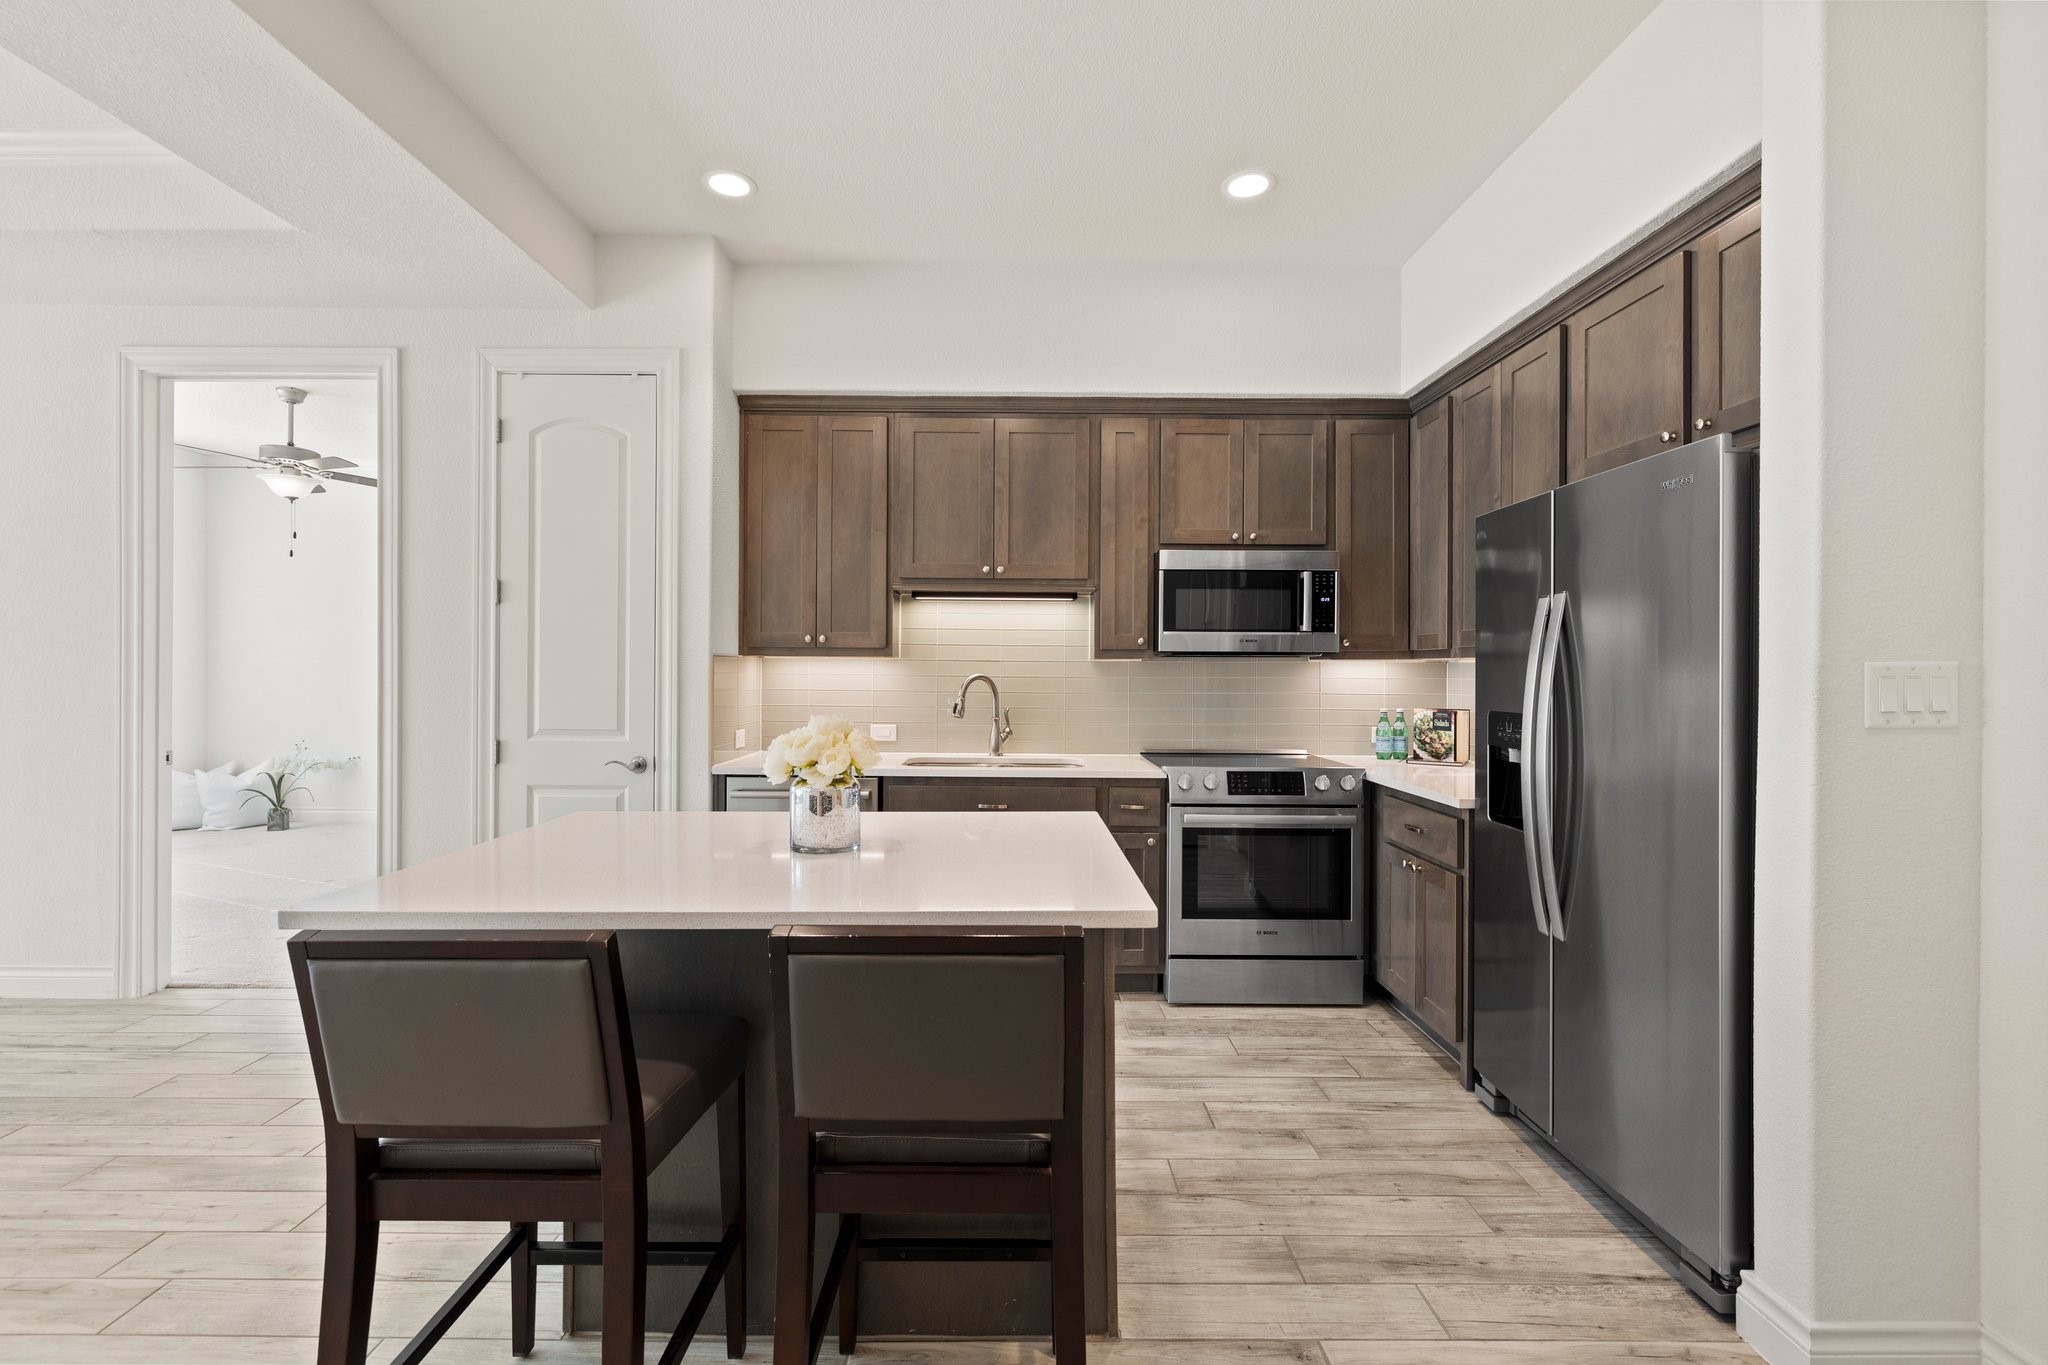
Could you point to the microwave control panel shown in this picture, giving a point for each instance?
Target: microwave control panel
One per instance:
(1323, 601)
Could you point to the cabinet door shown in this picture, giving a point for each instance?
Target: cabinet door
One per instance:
(1626, 355)
(1201, 481)
(1287, 482)
(1372, 535)
(778, 533)
(1123, 601)
(1475, 460)
(942, 499)
(1531, 420)
(853, 534)
(1144, 950)
(1727, 337)
(1439, 902)
(1044, 500)
(1429, 530)
(1396, 927)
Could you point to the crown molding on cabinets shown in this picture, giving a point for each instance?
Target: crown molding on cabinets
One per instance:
(1073, 406)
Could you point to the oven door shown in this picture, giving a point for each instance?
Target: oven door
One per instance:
(1265, 883)
(1228, 607)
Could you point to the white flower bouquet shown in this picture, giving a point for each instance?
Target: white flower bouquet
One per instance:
(828, 752)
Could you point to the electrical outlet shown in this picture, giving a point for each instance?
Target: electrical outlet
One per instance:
(882, 734)
(1911, 696)
(739, 738)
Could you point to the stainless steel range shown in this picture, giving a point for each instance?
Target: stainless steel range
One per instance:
(1265, 873)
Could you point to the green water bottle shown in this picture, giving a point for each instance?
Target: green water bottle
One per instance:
(1400, 736)
(1383, 738)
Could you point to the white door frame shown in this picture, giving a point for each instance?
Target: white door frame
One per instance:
(666, 368)
(143, 936)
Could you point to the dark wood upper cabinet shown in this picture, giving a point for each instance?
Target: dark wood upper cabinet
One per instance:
(1429, 530)
(1625, 353)
(941, 499)
(1287, 482)
(778, 532)
(1727, 334)
(813, 527)
(853, 534)
(1044, 500)
(1531, 419)
(1475, 461)
(1123, 599)
(1201, 481)
(1372, 535)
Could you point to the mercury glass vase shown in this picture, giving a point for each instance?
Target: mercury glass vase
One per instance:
(824, 819)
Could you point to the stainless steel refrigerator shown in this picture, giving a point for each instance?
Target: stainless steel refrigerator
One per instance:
(1611, 850)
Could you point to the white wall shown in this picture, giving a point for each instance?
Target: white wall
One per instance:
(283, 647)
(1675, 103)
(60, 557)
(1085, 329)
(1867, 962)
(2013, 1059)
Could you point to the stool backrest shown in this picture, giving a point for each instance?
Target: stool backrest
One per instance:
(918, 1027)
(487, 1035)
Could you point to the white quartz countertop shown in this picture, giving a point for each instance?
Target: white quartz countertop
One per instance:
(705, 870)
(1089, 767)
(1448, 785)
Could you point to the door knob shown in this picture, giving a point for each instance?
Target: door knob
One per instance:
(1702, 423)
(635, 764)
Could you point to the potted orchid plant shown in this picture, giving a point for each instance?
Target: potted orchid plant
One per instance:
(823, 762)
(281, 779)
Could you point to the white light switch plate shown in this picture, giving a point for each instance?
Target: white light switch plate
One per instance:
(882, 734)
(739, 738)
(1911, 696)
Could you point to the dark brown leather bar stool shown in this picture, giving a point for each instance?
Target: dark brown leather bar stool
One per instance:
(925, 1072)
(497, 1077)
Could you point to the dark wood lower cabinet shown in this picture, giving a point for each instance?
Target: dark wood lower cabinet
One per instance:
(1421, 948)
(1144, 950)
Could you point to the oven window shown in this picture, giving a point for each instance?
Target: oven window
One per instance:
(1266, 873)
(1247, 601)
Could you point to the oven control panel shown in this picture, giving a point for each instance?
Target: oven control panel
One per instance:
(1218, 784)
(1266, 782)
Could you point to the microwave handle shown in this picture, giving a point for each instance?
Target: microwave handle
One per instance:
(1308, 601)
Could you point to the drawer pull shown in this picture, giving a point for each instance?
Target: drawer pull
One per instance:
(1132, 805)
(1413, 829)
(991, 805)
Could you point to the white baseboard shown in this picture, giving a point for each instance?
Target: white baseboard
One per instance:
(58, 983)
(1999, 1351)
(1784, 1336)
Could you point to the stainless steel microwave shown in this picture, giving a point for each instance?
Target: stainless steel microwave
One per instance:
(1247, 602)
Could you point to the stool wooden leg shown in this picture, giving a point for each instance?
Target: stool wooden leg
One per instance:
(625, 1265)
(795, 1228)
(351, 1270)
(732, 1209)
(523, 1276)
(849, 1293)
(1069, 1284)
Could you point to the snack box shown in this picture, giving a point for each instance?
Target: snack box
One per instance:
(1439, 735)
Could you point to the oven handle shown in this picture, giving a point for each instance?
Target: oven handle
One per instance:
(1268, 819)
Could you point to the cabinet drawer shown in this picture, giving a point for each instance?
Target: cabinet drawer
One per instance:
(1136, 807)
(1435, 834)
(949, 793)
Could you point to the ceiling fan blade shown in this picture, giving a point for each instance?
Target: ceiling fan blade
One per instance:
(331, 462)
(229, 454)
(363, 479)
(288, 451)
(224, 468)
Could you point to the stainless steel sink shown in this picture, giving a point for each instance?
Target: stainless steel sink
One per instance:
(992, 763)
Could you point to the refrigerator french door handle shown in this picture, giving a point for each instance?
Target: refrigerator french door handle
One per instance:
(1546, 778)
(1533, 833)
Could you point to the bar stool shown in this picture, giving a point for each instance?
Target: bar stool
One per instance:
(925, 1072)
(498, 1077)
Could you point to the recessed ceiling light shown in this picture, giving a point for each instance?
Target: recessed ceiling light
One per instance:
(1248, 184)
(731, 184)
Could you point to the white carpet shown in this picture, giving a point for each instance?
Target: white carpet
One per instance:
(227, 886)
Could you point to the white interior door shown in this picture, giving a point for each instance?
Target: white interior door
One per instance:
(576, 621)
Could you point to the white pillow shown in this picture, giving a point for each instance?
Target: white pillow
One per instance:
(231, 801)
(186, 810)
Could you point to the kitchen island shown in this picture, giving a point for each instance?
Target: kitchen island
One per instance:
(694, 895)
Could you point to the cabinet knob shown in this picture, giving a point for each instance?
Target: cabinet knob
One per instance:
(1253, 536)
(1233, 535)
(1667, 435)
(807, 639)
(1150, 841)
(1347, 644)
(821, 639)
(999, 568)
(1141, 639)
(1702, 423)
(984, 568)
(991, 805)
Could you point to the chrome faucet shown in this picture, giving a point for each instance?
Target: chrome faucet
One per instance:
(998, 723)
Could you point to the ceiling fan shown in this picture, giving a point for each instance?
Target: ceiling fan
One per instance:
(291, 471)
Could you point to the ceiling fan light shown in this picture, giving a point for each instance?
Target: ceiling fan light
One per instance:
(288, 483)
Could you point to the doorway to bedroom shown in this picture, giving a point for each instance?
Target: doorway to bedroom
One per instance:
(272, 556)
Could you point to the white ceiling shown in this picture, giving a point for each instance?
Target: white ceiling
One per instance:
(339, 417)
(934, 130)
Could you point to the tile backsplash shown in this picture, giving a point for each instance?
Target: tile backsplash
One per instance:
(1060, 700)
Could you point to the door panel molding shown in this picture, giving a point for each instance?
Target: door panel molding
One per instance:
(665, 367)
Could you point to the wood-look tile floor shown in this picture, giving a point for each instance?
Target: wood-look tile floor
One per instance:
(1295, 1187)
